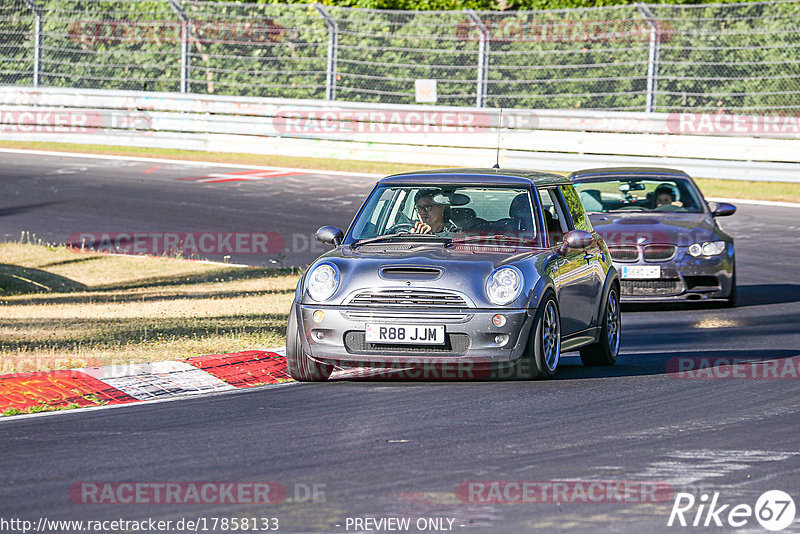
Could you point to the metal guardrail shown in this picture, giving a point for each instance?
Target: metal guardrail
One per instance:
(734, 58)
(706, 145)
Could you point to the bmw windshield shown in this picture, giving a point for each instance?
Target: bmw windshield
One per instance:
(651, 194)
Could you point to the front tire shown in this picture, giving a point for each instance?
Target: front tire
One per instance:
(730, 301)
(606, 350)
(300, 366)
(544, 345)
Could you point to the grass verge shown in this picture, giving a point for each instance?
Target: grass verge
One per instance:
(38, 408)
(63, 309)
(774, 191)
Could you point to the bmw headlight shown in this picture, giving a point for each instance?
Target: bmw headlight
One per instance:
(504, 285)
(709, 248)
(323, 281)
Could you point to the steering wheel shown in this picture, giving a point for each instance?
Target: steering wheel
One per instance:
(669, 208)
(630, 207)
(401, 227)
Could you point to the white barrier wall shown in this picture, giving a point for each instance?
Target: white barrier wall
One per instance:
(705, 145)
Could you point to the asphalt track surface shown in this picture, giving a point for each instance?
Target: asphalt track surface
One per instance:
(58, 197)
(401, 449)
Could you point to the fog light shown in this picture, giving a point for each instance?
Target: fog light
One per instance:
(319, 335)
(501, 339)
(318, 316)
(499, 320)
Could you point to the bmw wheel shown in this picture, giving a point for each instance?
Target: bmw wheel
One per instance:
(730, 301)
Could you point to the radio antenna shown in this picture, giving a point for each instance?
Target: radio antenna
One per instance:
(497, 154)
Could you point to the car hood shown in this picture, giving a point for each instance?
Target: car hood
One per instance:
(644, 228)
(460, 268)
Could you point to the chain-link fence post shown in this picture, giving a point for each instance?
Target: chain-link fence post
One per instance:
(333, 45)
(37, 40)
(652, 59)
(185, 54)
(483, 58)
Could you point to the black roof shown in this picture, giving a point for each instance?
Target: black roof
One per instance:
(643, 172)
(476, 177)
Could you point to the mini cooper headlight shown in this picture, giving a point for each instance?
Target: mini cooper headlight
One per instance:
(323, 281)
(504, 285)
(709, 248)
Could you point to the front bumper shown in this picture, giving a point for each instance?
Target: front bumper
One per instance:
(684, 278)
(339, 339)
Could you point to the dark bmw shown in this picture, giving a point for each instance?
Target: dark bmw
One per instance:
(663, 236)
(482, 272)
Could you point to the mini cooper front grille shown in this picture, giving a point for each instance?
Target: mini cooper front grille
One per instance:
(455, 345)
(624, 252)
(659, 252)
(642, 288)
(408, 297)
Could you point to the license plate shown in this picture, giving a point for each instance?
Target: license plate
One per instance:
(410, 334)
(641, 271)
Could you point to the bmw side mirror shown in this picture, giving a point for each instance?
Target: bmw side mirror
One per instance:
(722, 209)
(330, 235)
(576, 239)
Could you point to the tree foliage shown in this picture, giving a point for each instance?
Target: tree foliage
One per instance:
(711, 56)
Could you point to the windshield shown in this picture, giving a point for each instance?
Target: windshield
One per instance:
(652, 194)
(454, 212)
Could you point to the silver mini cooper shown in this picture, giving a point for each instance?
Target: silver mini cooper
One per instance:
(458, 273)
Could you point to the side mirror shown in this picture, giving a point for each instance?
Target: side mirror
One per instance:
(722, 209)
(576, 239)
(330, 235)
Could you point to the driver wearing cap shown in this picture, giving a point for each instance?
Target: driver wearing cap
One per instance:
(434, 218)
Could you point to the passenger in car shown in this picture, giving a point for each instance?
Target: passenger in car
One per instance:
(554, 231)
(520, 214)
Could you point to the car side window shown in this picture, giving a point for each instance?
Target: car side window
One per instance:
(387, 209)
(556, 223)
(575, 206)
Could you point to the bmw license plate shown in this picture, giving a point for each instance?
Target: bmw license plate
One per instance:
(641, 272)
(410, 334)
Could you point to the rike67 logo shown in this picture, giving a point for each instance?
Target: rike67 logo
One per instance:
(774, 510)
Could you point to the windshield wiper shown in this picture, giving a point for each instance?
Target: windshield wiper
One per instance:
(390, 236)
(494, 237)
